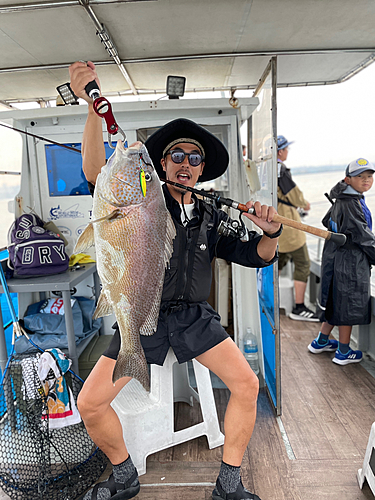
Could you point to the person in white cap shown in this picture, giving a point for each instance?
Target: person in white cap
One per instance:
(292, 243)
(345, 296)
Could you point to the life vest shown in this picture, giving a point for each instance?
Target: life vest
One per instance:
(188, 276)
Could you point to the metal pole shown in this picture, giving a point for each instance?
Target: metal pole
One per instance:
(72, 348)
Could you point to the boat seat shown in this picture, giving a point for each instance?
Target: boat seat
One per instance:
(147, 418)
(286, 289)
(367, 471)
(286, 294)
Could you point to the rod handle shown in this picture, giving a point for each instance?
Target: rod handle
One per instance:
(301, 226)
(337, 238)
(92, 90)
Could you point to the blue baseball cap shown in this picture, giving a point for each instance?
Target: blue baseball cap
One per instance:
(358, 166)
(282, 142)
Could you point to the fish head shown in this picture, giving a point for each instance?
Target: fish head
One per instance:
(130, 175)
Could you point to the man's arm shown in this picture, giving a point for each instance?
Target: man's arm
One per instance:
(93, 151)
(296, 198)
(267, 248)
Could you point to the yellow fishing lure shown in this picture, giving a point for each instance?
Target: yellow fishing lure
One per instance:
(142, 180)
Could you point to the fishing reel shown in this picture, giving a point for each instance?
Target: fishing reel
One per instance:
(234, 229)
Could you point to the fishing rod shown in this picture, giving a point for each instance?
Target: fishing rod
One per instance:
(41, 138)
(338, 238)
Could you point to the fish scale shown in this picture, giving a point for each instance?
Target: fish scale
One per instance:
(133, 234)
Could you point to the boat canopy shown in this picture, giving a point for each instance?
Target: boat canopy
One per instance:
(215, 44)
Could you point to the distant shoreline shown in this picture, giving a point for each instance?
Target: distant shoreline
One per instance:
(314, 170)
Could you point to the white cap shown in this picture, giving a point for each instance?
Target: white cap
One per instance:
(358, 166)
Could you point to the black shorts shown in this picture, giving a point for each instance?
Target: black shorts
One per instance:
(190, 330)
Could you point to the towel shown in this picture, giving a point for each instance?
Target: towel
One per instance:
(252, 176)
(80, 258)
(62, 411)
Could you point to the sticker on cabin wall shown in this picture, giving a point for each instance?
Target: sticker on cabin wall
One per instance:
(80, 229)
(68, 213)
(65, 231)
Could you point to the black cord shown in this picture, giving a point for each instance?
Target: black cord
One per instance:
(183, 209)
(144, 161)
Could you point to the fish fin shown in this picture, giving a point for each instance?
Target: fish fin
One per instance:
(134, 365)
(171, 233)
(103, 307)
(115, 214)
(85, 240)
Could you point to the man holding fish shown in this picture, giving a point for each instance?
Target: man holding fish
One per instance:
(138, 233)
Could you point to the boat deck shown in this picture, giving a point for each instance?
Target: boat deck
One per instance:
(327, 413)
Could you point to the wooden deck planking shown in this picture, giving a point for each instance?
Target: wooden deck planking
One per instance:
(327, 413)
(339, 400)
(333, 480)
(341, 492)
(266, 462)
(353, 410)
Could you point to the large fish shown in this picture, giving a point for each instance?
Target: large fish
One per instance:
(133, 234)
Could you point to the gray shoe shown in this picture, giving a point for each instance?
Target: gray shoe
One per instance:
(241, 493)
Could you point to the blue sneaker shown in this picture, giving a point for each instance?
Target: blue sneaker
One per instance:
(350, 357)
(316, 348)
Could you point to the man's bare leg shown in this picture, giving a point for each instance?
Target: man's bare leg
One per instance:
(229, 364)
(94, 405)
(104, 428)
(299, 291)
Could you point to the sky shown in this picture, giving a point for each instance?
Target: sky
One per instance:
(331, 124)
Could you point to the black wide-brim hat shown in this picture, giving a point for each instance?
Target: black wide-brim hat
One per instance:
(215, 153)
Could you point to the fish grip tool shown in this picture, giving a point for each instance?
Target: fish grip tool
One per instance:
(338, 238)
(103, 108)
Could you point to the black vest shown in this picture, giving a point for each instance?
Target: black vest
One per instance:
(188, 276)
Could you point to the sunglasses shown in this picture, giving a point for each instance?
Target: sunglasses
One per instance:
(195, 159)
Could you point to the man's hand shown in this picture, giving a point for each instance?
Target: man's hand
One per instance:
(80, 75)
(263, 217)
(307, 207)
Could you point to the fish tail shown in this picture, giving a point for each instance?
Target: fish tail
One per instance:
(134, 365)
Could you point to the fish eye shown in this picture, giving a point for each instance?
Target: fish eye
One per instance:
(147, 176)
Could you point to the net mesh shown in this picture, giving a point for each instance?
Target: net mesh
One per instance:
(35, 461)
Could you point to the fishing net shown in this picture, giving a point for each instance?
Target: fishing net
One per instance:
(37, 462)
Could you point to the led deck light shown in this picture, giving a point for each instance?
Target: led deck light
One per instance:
(175, 86)
(67, 94)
